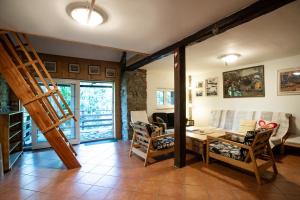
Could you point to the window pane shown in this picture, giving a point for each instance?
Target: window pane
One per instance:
(160, 97)
(170, 97)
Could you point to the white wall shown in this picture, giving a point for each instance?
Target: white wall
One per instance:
(203, 105)
(158, 79)
(271, 101)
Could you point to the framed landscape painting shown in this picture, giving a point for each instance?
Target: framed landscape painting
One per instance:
(246, 82)
(289, 81)
(211, 86)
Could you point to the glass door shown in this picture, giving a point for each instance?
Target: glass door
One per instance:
(96, 111)
(68, 90)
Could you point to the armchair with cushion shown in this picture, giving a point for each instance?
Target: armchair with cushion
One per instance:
(252, 153)
(148, 141)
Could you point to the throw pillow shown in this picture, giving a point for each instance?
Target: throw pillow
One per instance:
(247, 125)
(264, 124)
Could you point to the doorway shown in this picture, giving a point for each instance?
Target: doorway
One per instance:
(96, 111)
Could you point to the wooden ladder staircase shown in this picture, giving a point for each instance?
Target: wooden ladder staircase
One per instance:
(25, 73)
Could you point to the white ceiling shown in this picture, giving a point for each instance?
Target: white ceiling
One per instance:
(272, 36)
(136, 25)
(75, 49)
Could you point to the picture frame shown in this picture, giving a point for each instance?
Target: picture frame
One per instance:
(110, 72)
(199, 84)
(288, 81)
(245, 82)
(74, 68)
(94, 69)
(50, 66)
(211, 86)
(199, 92)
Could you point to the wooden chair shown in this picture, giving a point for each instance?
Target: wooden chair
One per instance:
(259, 155)
(142, 142)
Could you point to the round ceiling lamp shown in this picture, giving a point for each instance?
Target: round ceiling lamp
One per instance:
(85, 14)
(229, 58)
(296, 73)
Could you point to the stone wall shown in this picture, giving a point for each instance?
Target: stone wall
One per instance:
(4, 95)
(133, 97)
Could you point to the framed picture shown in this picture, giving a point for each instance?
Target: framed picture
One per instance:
(110, 72)
(50, 66)
(74, 68)
(211, 86)
(94, 69)
(247, 82)
(289, 81)
(199, 93)
(199, 84)
(199, 89)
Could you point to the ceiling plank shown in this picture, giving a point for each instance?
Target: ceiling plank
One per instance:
(247, 14)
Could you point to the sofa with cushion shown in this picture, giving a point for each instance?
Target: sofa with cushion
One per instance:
(166, 120)
(163, 117)
(239, 122)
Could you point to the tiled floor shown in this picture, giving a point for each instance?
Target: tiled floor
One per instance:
(108, 173)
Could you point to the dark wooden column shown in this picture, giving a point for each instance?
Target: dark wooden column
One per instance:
(180, 106)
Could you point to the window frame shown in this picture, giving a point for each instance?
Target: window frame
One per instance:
(165, 104)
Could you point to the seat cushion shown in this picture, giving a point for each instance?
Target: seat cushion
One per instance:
(227, 150)
(293, 139)
(163, 143)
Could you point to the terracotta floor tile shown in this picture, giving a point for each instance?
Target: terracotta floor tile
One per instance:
(96, 193)
(120, 195)
(108, 181)
(101, 170)
(90, 179)
(38, 184)
(144, 196)
(70, 189)
(45, 196)
(108, 173)
(15, 194)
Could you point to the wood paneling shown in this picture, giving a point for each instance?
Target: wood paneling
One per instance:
(62, 72)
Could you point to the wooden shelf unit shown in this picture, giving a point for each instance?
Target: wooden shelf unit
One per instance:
(11, 137)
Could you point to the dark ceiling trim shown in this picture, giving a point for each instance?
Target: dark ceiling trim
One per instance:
(247, 14)
(123, 62)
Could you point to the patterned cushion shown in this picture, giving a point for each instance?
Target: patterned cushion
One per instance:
(267, 124)
(150, 127)
(163, 143)
(227, 150)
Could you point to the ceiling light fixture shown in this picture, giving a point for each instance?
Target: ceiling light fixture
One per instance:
(229, 58)
(86, 14)
(296, 73)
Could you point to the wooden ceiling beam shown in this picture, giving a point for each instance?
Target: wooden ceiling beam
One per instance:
(247, 14)
(123, 62)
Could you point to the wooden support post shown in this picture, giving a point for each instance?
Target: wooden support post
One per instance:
(180, 106)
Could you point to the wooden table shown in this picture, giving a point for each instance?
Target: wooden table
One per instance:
(201, 138)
